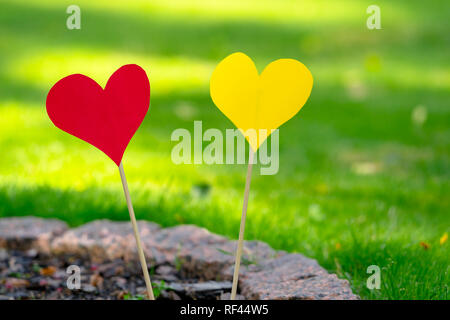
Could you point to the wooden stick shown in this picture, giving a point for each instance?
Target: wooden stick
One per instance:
(242, 227)
(148, 284)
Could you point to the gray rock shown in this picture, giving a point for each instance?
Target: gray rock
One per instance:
(201, 290)
(26, 233)
(200, 286)
(88, 288)
(194, 251)
(103, 240)
(3, 254)
(170, 295)
(181, 252)
(165, 270)
(166, 273)
(293, 277)
(201, 254)
(227, 296)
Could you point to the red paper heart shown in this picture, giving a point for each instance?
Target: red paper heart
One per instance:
(107, 119)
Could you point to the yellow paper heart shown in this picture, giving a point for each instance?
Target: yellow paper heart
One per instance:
(265, 101)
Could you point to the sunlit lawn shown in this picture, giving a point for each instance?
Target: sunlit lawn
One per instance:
(360, 182)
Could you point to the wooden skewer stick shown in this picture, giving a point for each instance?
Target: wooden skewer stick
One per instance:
(242, 227)
(148, 284)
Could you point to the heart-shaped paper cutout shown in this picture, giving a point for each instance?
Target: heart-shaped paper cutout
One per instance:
(265, 101)
(105, 118)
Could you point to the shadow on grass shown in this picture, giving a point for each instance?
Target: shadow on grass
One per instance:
(78, 207)
(152, 33)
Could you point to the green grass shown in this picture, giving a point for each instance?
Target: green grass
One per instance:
(359, 183)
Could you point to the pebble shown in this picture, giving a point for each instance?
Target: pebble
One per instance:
(88, 288)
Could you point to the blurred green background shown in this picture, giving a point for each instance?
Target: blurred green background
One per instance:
(364, 167)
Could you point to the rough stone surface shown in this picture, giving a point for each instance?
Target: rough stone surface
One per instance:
(202, 254)
(193, 262)
(102, 240)
(26, 233)
(227, 296)
(294, 277)
(211, 289)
